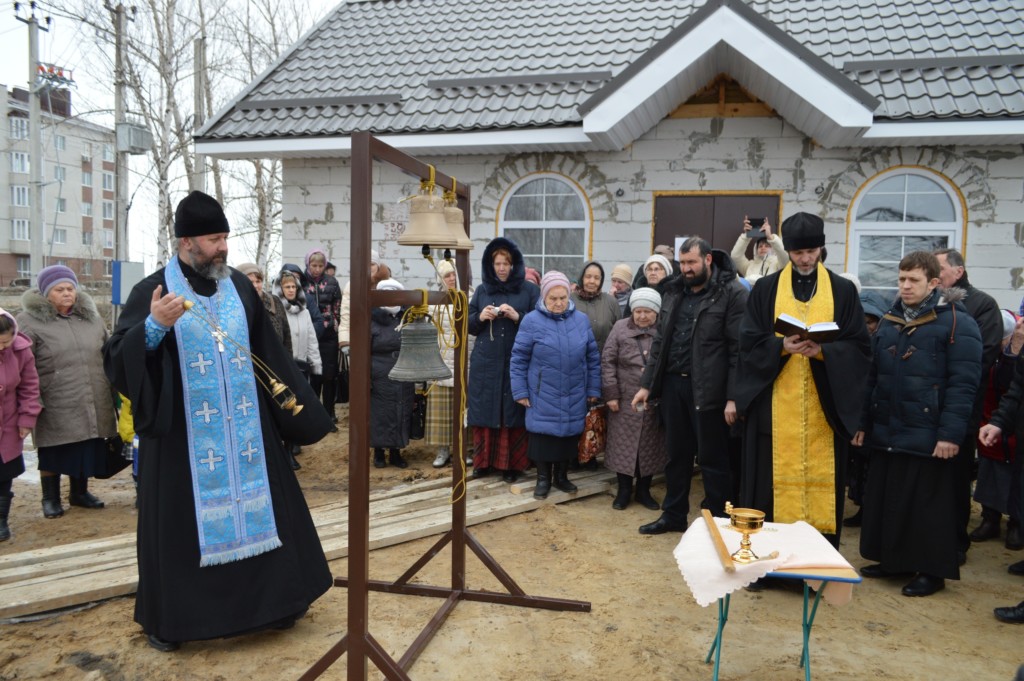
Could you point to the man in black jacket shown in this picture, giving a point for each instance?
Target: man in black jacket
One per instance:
(692, 368)
(985, 311)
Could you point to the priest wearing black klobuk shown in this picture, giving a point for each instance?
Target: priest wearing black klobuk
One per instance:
(226, 544)
(800, 401)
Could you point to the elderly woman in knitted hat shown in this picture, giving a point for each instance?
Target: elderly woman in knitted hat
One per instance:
(556, 372)
(621, 276)
(636, 439)
(78, 407)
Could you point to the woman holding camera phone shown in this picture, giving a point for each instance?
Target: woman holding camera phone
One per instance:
(769, 254)
(498, 305)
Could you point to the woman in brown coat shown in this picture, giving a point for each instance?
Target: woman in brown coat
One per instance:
(636, 439)
(78, 406)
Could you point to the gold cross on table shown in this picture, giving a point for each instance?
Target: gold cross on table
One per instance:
(219, 336)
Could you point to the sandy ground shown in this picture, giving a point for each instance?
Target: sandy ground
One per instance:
(644, 624)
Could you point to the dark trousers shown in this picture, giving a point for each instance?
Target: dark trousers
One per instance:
(693, 434)
(325, 385)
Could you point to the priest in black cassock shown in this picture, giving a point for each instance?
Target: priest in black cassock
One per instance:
(801, 400)
(226, 544)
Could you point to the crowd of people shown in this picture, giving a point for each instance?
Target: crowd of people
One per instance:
(883, 396)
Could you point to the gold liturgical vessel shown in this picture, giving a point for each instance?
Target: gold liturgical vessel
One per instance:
(747, 521)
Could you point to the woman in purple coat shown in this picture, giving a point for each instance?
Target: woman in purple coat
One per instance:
(556, 372)
(636, 439)
(19, 407)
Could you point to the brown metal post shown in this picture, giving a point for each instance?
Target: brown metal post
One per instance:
(359, 409)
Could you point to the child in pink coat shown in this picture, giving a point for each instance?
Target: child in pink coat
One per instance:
(19, 407)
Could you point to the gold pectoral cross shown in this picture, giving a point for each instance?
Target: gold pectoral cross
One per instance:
(219, 336)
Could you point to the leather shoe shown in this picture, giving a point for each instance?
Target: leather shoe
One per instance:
(510, 476)
(1014, 541)
(989, 529)
(481, 472)
(924, 585)
(162, 645)
(1016, 568)
(661, 526)
(1013, 614)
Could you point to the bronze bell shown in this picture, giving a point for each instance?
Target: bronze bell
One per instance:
(427, 224)
(420, 357)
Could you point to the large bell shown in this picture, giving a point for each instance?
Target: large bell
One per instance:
(453, 214)
(427, 225)
(420, 356)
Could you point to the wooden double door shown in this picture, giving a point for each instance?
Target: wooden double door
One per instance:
(718, 218)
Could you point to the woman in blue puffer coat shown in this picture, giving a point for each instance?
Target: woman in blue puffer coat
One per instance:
(556, 372)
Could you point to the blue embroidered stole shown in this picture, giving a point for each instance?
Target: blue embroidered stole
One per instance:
(234, 511)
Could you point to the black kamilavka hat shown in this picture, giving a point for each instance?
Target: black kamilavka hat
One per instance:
(199, 214)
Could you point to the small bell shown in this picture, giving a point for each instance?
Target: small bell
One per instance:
(420, 357)
(453, 215)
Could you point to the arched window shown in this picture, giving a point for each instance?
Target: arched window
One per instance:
(548, 218)
(904, 210)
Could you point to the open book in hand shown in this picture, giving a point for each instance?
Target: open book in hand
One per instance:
(821, 332)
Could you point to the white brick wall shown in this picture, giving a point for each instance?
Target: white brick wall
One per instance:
(682, 154)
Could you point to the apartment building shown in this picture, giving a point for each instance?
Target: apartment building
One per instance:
(78, 191)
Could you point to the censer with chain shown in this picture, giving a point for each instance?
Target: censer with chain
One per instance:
(283, 396)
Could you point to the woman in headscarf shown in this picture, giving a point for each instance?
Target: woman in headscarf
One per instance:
(78, 404)
(556, 374)
(390, 401)
(601, 308)
(495, 312)
(272, 302)
(441, 399)
(636, 439)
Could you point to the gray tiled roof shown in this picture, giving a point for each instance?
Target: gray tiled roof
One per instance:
(385, 47)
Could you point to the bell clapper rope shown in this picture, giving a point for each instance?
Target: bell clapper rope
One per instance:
(282, 395)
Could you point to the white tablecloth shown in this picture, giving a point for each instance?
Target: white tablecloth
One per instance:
(799, 546)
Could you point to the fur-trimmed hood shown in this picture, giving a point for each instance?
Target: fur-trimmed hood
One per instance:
(291, 307)
(515, 278)
(38, 307)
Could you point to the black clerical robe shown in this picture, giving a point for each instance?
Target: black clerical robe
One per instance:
(177, 600)
(839, 378)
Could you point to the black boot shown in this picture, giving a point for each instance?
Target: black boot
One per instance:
(5, 508)
(378, 459)
(81, 496)
(643, 493)
(624, 493)
(543, 480)
(51, 496)
(562, 477)
(1014, 540)
(396, 460)
(989, 528)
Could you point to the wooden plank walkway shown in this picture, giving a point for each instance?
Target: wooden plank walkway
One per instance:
(83, 572)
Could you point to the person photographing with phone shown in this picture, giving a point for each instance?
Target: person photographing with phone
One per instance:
(769, 254)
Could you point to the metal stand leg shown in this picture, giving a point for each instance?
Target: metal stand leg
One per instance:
(716, 645)
(805, 656)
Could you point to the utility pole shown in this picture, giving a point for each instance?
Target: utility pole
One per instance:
(199, 117)
(35, 127)
(122, 152)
